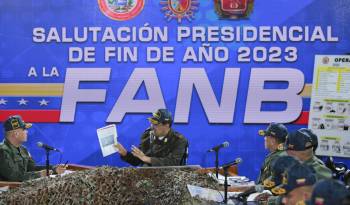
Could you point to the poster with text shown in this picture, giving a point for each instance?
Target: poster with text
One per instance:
(330, 104)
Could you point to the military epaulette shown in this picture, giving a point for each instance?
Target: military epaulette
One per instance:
(179, 135)
(278, 191)
(268, 183)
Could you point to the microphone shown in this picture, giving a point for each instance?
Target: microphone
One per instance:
(216, 148)
(47, 147)
(257, 188)
(236, 161)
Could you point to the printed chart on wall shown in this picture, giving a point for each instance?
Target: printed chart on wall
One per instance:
(330, 105)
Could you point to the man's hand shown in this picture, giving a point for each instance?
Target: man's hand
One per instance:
(139, 154)
(60, 169)
(122, 151)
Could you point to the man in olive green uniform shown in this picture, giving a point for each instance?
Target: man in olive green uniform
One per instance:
(16, 164)
(275, 136)
(314, 142)
(160, 144)
(299, 144)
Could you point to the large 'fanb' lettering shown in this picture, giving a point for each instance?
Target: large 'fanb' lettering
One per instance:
(190, 79)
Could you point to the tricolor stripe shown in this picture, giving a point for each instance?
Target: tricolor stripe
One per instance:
(304, 116)
(31, 89)
(48, 116)
(306, 93)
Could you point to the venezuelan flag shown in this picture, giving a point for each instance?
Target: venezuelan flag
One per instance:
(35, 102)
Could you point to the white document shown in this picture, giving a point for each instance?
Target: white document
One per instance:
(107, 136)
(64, 173)
(237, 181)
(210, 194)
(4, 189)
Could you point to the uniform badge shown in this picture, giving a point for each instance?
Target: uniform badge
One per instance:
(268, 183)
(233, 9)
(15, 124)
(121, 10)
(278, 191)
(179, 9)
(319, 201)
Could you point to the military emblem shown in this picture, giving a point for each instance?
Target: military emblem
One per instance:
(15, 123)
(268, 183)
(121, 10)
(179, 9)
(278, 191)
(319, 201)
(233, 9)
(325, 60)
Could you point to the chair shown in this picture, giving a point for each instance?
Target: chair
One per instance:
(338, 168)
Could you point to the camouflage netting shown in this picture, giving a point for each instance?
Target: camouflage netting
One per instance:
(107, 185)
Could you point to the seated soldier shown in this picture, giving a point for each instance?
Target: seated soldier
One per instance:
(329, 191)
(278, 167)
(299, 145)
(313, 136)
(160, 145)
(297, 184)
(274, 136)
(16, 164)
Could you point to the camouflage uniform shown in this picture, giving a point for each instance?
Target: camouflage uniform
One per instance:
(16, 164)
(266, 169)
(322, 172)
(279, 167)
(279, 132)
(169, 151)
(274, 200)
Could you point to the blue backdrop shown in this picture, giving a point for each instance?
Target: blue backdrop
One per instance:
(78, 139)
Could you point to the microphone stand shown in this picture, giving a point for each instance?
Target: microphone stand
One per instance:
(217, 163)
(225, 183)
(47, 162)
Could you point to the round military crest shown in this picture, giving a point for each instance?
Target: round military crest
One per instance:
(325, 60)
(179, 9)
(179, 6)
(121, 10)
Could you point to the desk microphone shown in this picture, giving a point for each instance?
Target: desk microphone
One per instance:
(216, 148)
(235, 162)
(47, 147)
